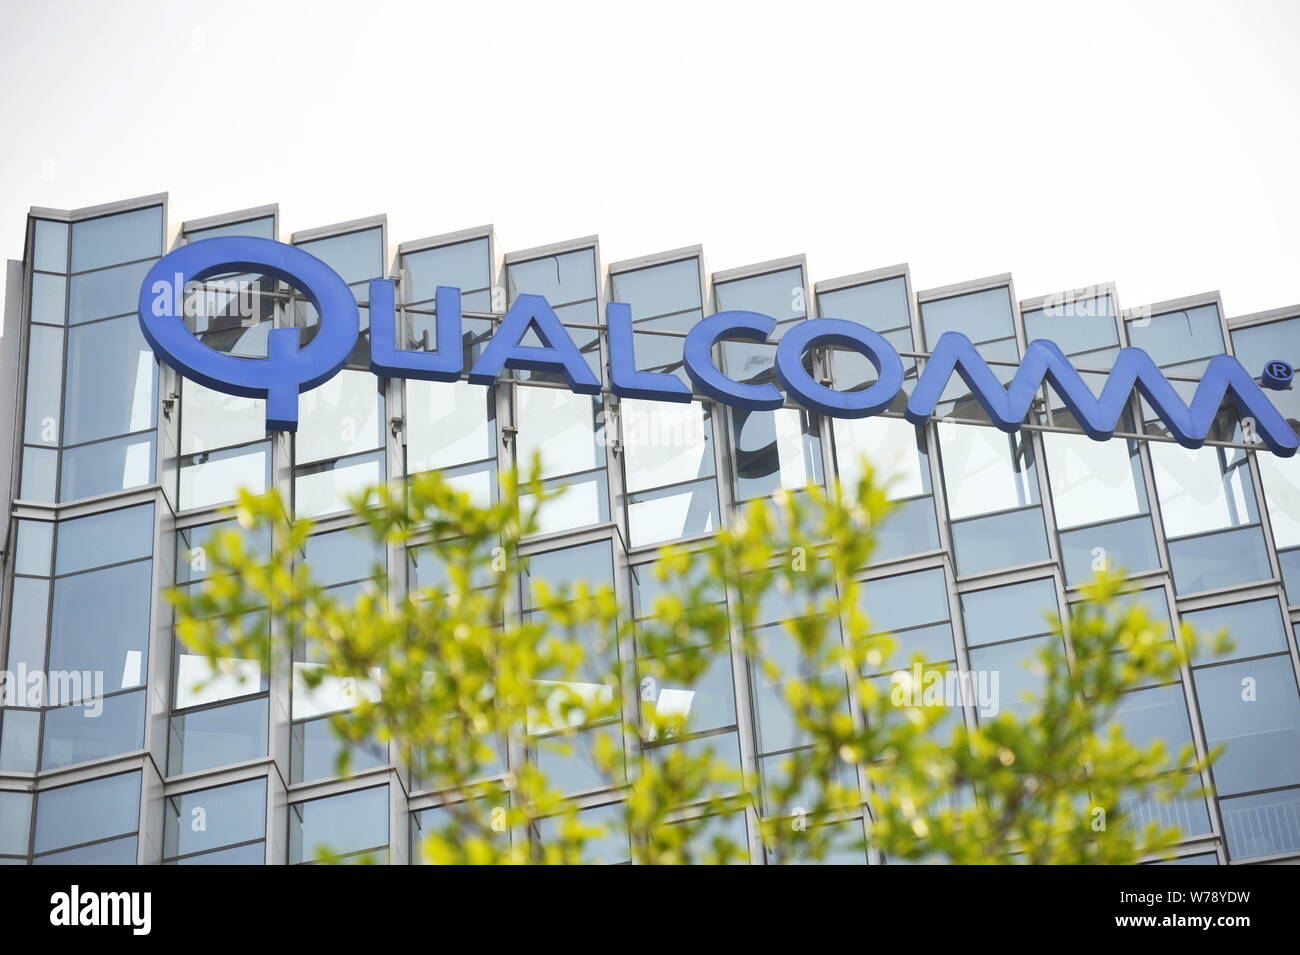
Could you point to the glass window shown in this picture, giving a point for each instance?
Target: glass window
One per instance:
(341, 417)
(986, 470)
(101, 623)
(1202, 490)
(211, 419)
(263, 228)
(1253, 709)
(109, 240)
(112, 380)
(87, 812)
(1021, 674)
(76, 734)
(51, 238)
(34, 546)
(1255, 627)
(775, 450)
(1178, 336)
(980, 316)
(218, 736)
(356, 256)
(881, 306)
(563, 279)
(112, 537)
(353, 822)
(1093, 481)
(1076, 325)
(1010, 612)
(43, 410)
(462, 265)
(448, 423)
(778, 294)
(565, 429)
(15, 818)
(1263, 824)
(115, 291)
(48, 298)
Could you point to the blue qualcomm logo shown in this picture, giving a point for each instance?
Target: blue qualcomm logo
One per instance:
(290, 369)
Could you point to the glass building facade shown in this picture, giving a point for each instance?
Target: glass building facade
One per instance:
(120, 469)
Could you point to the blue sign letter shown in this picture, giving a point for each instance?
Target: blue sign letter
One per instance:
(698, 353)
(813, 394)
(556, 353)
(288, 369)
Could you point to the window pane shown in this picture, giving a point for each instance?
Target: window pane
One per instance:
(76, 734)
(356, 256)
(986, 470)
(107, 466)
(44, 386)
(108, 538)
(665, 443)
(109, 240)
(340, 417)
(1252, 708)
(215, 817)
(108, 292)
(463, 265)
(980, 316)
(101, 622)
(564, 428)
(1004, 613)
(448, 423)
(112, 378)
(1091, 480)
(348, 823)
(775, 450)
(217, 737)
(84, 812)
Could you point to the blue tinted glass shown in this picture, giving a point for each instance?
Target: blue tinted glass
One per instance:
(1157, 713)
(44, 385)
(1179, 336)
(881, 306)
(35, 543)
(1255, 628)
(48, 294)
(15, 818)
(101, 623)
(263, 228)
(1128, 545)
(1188, 814)
(568, 763)
(908, 600)
(1263, 824)
(1077, 326)
(1253, 709)
(910, 528)
(111, 381)
(193, 544)
(341, 556)
(933, 644)
(27, 618)
(560, 279)
(107, 538)
(316, 749)
(609, 848)
(75, 734)
(980, 316)
(116, 291)
(347, 823)
(1004, 613)
(210, 818)
(647, 587)
(51, 254)
(659, 290)
(1290, 561)
(462, 265)
(217, 737)
(115, 852)
(112, 239)
(105, 467)
(564, 568)
(1219, 560)
(252, 854)
(84, 812)
(19, 740)
(1000, 540)
(778, 294)
(1021, 675)
(356, 256)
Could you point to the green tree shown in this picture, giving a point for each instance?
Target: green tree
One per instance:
(461, 686)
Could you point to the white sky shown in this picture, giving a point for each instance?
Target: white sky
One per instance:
(1152, 144)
